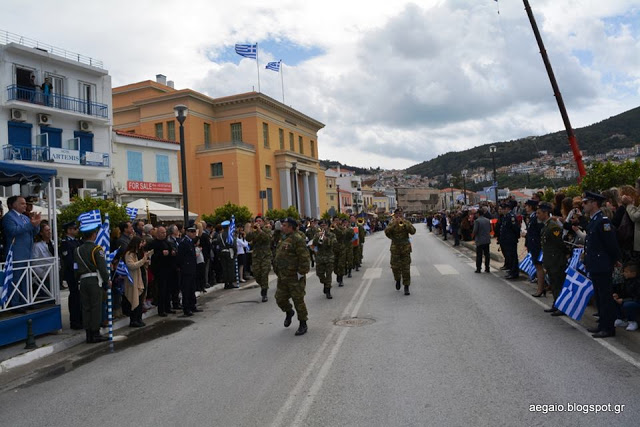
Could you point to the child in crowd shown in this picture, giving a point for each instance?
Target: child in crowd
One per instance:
(627, 298)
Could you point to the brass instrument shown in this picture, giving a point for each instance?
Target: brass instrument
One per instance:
(255, 227)
(401, 223)
(333, 227)
(321, 238)
(360, 221)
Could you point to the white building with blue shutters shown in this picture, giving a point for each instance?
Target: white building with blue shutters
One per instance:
(55, 112)
(145, 167)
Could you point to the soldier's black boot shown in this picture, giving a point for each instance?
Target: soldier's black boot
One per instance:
(327, 292)
(263, 292)
(340, 284)
(99, 338)
(287, 320)
(349, 275)
(406, 290)
(303, 328)
(89, 336)
(397, 285)
(357, 268)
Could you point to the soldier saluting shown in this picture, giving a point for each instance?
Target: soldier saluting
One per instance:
(93, 276)
(324, 241)
(398, 231)
(260, 240)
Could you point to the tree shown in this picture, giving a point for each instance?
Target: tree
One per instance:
(280, 214)
(602, 176)
(224, 213)
(117, 214)
(327, 216)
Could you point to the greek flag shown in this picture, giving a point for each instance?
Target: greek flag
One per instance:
(132, 212)
(232, 229)
(111, 256)
(103, 235)
(247, 50)
(275, 66)
(575, 294)
(527, 266)
(8, 277)
(90, 218)
(574, 262)
(123, 270)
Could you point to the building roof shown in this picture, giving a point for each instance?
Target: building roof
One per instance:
(147, 137)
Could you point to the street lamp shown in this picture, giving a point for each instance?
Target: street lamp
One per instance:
(464, 185)
(295, 186)
(338, 188)
(492, 150)
(451, 185)
(181, 112)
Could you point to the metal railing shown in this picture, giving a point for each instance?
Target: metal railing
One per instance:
(222, 145)
(62, 102)
(43, 154)
(7, 37)
(33, 283)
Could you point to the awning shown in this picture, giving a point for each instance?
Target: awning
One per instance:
(163, 212)
(13, 173)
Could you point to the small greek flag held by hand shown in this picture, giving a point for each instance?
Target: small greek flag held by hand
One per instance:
(247, 50)
(274, 66)
(103, 238)
(132, 212)
(123, 270)
(574, 262)
(526, 265)
(232, 229)
(575, 294)
(8, 277)
(91, 218)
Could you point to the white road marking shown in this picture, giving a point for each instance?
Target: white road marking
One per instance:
(413, 271)
(372, 273)
(445, 269)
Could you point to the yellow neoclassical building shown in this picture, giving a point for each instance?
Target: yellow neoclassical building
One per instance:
(237, 147)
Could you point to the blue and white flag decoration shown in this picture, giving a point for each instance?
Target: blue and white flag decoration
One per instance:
(527, 266)
(132, 212)
(8, 277)
(574, 262)
(232, 229)
(91, 218)
(123, 270)
(575, 294)
(102, 239)
(247, 50)
(274, 66)
(111, 256)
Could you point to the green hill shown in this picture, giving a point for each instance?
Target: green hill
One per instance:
(619, 131)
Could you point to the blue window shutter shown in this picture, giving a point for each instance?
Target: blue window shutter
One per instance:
(55, 136)
(162, 168)
(134, 165)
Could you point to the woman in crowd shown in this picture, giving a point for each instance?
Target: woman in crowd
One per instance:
(243, 247)
(136, 260)
(42, 248)
(197, 242)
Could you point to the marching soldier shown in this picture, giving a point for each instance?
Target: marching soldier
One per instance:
(310, 232)
(92, 274)
(355, 243)
(361, 234)
(324, 241)
(398, 231)
(292, 265)
(338, 250)
(68, 247)
(349, 235)
(260, 239)
(555, 253)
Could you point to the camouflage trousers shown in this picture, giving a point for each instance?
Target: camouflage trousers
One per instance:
(290, 288)
(401, 264)
(339, 262)
(260, 266)
(348, 259)
(323, 271)
(357, 255)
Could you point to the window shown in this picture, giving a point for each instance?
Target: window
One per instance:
(265, 134)
(162, 168)
(171, 130)
(269, 199)
(207, 134)
(159, 133)
(88, 95)
(134, 165)
(267, 171)
(300, 145)
(332, 197)
(312, 148)
(291, 147)
(236, 132)
(216, 169)
(281, 136)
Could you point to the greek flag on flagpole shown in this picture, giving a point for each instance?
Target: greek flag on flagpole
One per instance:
(90, 218)
(575, 294)
(574, 262)
(132, 212)
(111, 256)
(232, 229)
(527, 266)
(8, 277)
(247, 50)
(123, 270)
(103, 235)
(274, 66)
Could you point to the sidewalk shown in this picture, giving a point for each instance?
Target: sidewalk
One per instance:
(15, 355)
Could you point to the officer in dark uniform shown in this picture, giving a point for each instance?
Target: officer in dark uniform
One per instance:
(187, 265)
(509, 235)
(93, 276)
(227, 256)
(601, 253)
(68, 246)
(532, 242)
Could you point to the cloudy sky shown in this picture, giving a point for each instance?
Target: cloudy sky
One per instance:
(395, 82)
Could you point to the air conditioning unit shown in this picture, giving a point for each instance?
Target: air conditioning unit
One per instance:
(88, 192)
(18, 115)
(85, 126)
(62, 197)
(44, 119)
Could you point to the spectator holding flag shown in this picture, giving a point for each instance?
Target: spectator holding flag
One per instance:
(136, 259)
(555, 254)
(532, 242)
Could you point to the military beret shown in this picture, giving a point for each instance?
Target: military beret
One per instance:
(590, 195)
(292, 222)
(70, 224)
(398, 210)
(545, 206)
(258, 217)
(226, 223)
(531, 202)
(88, 228)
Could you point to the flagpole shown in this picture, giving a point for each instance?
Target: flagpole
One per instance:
(258, 66)
(282, 80)
(109, 292)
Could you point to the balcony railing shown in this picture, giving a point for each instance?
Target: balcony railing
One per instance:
(33, 282)
(55, 155)
(222, 145)
(68, 103)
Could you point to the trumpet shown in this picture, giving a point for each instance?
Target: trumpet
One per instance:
(401, 223)
(256, 227)
(333, 227)
(321, 238)
(360, 221)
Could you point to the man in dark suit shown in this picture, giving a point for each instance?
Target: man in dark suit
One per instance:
(163, 266)
(68, 245)
(509, 236)
(532, 242)
(482, 236)
(601, 253)
(205, 241)
(187, 265)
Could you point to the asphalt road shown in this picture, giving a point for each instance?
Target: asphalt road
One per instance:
(462, 349)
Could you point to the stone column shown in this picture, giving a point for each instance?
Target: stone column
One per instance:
(285, 188)
(296, 190)
(307, 199)
(314, 196)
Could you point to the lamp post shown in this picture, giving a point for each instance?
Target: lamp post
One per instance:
(181, 114)
(295, 185)
(464, 185)
(338, 188)
(452, 204)
(493, 150)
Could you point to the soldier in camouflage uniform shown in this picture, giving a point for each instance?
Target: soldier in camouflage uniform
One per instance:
(361, 234)
(338, 250)
(260, 238)
(398, 231)
(348, 247)
(324, 242)
(292, 265)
